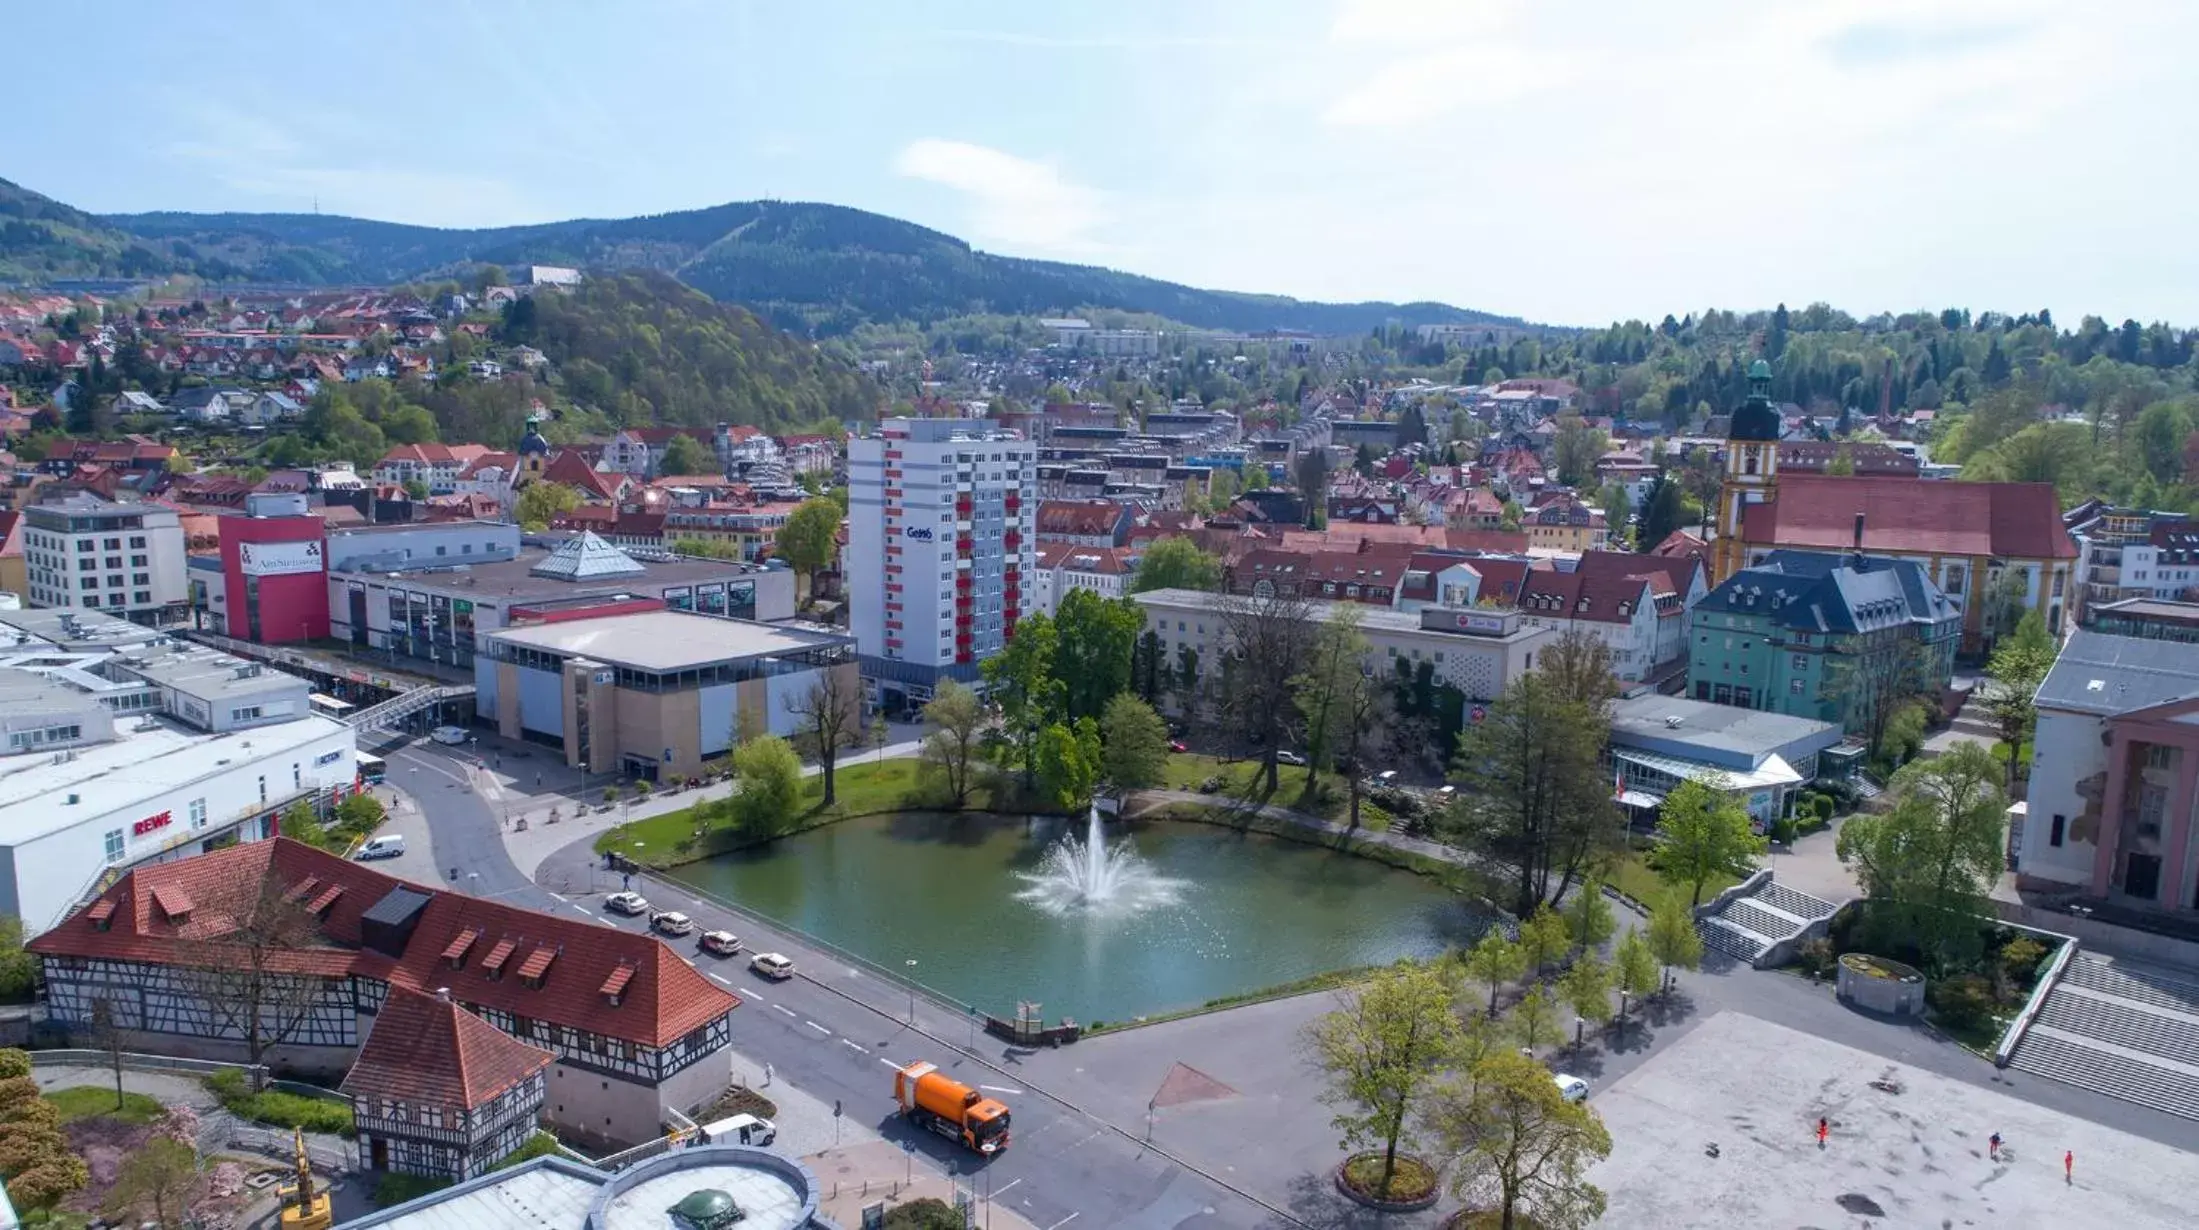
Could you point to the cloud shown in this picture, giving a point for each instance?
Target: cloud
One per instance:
(1014, 202)
(1416, 21)
(1464, 53)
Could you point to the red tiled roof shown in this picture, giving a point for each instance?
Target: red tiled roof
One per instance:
(1677, 571)
(429, 1051)
(1681, 543)
(666, 1000)
(1914, 516)
(573, 470)
(1079, 518)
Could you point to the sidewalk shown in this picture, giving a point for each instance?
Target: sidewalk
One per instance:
(878, 1172)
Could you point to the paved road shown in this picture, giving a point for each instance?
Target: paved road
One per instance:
(837, 1031)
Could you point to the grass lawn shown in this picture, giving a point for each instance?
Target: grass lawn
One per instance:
(1242, 781)
(860, 788)
(91, 1101)
(1637, 879)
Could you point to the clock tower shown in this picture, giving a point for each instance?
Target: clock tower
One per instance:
(1752, 470)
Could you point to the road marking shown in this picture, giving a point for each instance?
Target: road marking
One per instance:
(1063, 1222)
(720, 980)
(583, 909)
(1003, 1188)
(857, 1046)
(814, 1025)
(889, 1063)
(1001, 1089)
(784, 1008)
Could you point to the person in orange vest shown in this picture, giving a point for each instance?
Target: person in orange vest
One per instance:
(1822, 1129)
(2069, 1165)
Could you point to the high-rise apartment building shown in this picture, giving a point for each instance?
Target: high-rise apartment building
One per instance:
(940, 550)
(120, 558)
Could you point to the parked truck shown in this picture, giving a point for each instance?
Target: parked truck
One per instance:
(954, 1110)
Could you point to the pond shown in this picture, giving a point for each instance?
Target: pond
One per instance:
(962, 895)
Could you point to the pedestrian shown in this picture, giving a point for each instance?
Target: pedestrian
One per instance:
(2069, 1165)
(1822, 1129)
(1992, 1146)
(767, 1074)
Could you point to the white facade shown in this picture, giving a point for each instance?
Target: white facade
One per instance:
(941, 552)
(88, 553)
(2067, 751)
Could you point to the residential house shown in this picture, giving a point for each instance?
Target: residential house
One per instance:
(435, 466)
(1063, 567)
(437, 1091)
(1824, 636)
(1565, 523)
(137, 401)
(639, 451)
(1084, 523)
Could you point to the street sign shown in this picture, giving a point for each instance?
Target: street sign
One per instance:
(874, 1216)
(835, 1108)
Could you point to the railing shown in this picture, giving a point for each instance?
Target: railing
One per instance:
(405, 704)
(2049, 975)
(68, 1057)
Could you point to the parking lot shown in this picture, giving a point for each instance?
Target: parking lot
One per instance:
(1720, 1130)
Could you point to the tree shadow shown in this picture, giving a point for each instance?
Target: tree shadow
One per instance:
(1314, 1201)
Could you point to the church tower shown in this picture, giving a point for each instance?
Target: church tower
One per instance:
(534, 453)
(1752, 470)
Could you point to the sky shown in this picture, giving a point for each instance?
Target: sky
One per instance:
(1569, 161)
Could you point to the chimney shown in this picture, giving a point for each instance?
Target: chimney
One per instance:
(443, 994)
(1859, 539)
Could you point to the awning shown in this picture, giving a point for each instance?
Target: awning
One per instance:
(1774, 771)
(1638, 798)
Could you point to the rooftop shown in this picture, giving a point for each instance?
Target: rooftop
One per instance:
(2105, 674)
(1749, 732)
(667, 640)
(517, 579)
(428, 1051)
(1318, 610)
(556, 1193)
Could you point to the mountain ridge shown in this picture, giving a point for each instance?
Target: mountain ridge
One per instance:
(810, 266)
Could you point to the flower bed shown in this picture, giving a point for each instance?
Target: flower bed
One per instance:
(1880, 985)
(1412, 1184)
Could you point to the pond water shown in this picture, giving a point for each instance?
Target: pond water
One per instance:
(957, 894)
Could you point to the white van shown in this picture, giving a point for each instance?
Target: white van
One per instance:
(381, 847)
(740, 1130)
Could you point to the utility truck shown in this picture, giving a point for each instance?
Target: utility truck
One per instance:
(944, 1105)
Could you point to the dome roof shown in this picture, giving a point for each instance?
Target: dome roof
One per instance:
(1757, 418)
(533, 442)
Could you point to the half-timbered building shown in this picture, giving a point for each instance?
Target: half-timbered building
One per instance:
(438, 1091)
(277, 949)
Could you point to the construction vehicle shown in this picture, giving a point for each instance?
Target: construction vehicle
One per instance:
(944, 1105)
(303, 1207)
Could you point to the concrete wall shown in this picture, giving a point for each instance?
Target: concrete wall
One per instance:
(542, 700)
(2067, 751)
(717, 709)
(601, 1110)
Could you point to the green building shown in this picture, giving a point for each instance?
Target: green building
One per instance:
(1820, 635)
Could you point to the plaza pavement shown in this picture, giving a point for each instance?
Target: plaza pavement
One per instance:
(1719, 1131)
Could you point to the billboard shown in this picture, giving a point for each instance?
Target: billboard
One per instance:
(277, 559)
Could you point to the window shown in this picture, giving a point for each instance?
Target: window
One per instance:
(139, 561)
(2054, 831)
(142, 597)
(1794, 686)
(114, 561)
(114, 600)
(1801, 661)
(198, 813)
(263, 787)
(114, 544)
(86, 546)
(114, 845)
(141, 578)
(2159, 756)
(87, 583)
(245, 713)
(137, 541)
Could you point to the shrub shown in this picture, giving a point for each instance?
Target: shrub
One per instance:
(925, 1214)
(48, 1181)
(1782, 831)
(272, 1106)
(541, 1144)
(1823, 806)
(395, 1189)
(1963, 1001)
(2019, 959)
(14, 1062)
(1816, 956)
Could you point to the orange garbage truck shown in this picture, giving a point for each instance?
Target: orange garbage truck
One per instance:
(944, 1105)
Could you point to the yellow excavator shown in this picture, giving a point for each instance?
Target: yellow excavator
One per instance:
(304, 1208)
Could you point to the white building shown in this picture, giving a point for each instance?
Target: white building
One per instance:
(124, 747)
(1063, 567)
(86, 552)
(940, 548)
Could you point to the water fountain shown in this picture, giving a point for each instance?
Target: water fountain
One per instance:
(1092, 877)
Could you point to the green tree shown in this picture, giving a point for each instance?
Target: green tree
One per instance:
(301, 825)
(1068, 766)
(1380, 1050)
(1634, 966)
(1535, 1017)
(409, 425)
(1176, 563)
(1534, 798)
(18, 968)
(1133, 744)
(809, 539)
(1673, 939)
(958, 720)
(1092, 654)
(1702, 832)
(1494, 961)
(1517, 1146)
(1544, 937)
(1663, 511)
(1020, 679)
(540, 503)
(1586, 987)
(1575, 448)
(1333, 669)
(767, 790)
(159, 1177)
(1588, 916)
(2019, 664)
(1927, 863)
(684, 454)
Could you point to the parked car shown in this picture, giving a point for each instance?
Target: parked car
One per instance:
(451, 736)
(722, 943)
(1286, 756)
(381, 847)
(672, 922)
(1178, 745)
(772, 965)
(626, 903)
(1572, 1088)
(739, 1130)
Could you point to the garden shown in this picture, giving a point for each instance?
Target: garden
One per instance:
(1981, 973)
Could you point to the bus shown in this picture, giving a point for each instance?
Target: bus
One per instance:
(372, 769)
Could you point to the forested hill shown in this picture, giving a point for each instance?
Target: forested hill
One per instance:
(815, 268)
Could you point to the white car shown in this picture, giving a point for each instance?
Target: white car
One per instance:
(626, 903)
(450, 736)
(1571, 1088)
(672, 922)
(1286, 756)
(772, 965)
(723, 943)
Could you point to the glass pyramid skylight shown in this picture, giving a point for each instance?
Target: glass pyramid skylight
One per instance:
(585, 557)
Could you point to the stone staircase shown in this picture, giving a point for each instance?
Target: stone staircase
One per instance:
(2122, 1028)
(1749, 927)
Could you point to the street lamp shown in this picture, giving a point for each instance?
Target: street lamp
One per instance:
(911, 963)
